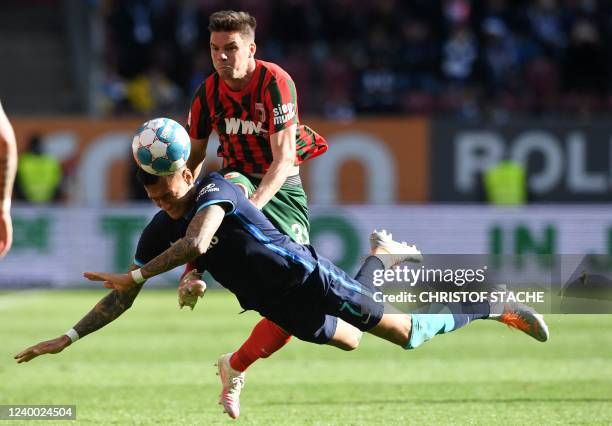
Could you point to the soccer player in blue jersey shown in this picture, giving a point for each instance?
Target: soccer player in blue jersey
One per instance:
(213, 225)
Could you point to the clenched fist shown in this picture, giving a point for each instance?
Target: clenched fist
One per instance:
(190, 289)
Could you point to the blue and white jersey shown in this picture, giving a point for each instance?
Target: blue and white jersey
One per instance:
(247, 255)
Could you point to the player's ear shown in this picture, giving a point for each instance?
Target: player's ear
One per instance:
(187, 176)
(252, 49)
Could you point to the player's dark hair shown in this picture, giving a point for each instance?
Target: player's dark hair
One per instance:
(231, 21)
(146, 178)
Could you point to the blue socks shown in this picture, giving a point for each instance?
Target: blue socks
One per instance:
(426, 326)
(436, 318)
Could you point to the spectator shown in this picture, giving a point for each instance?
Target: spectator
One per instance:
(501, 57)
(547, 26)
(386, 56)
(39, 175)
(585, 69)
(459, 56)
(418, 57)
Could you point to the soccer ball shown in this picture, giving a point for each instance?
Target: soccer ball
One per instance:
(161, 146)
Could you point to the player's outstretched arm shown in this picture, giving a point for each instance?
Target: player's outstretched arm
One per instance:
(48, 347)
(196, 241)
(105, 311)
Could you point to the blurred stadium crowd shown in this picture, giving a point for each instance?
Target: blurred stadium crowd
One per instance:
(467, 59)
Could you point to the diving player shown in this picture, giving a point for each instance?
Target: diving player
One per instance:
(216, 227)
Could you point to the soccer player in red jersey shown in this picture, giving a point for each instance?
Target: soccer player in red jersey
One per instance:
(252, 105)
(8, 168)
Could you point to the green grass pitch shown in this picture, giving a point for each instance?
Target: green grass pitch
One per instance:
(154, 365)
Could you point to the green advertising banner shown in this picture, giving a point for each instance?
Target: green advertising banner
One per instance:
(54, 246)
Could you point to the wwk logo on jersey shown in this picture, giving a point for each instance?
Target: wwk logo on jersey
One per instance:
(283, 112)
(235, 126)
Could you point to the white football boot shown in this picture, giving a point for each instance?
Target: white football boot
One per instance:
(520, 316)
(391, 252)
(232, 382)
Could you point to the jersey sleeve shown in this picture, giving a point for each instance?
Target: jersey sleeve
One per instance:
(217, 191)
(152, 242)
(281, 102)
(198, 124)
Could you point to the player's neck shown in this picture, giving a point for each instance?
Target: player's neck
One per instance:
(238, 84)
(189, 200)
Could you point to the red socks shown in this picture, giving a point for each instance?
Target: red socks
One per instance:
(188, 268)
(265, 339)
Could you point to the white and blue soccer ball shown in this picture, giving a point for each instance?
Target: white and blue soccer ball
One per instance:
(161, 146)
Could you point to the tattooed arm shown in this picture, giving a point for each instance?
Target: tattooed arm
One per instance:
(8, 168)
(106, 310)
(195, 242)
(200, 232)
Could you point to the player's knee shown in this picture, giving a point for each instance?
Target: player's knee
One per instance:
(352, 342)
(349, 345)
(348, 342)
(346, 336)
(394, 328)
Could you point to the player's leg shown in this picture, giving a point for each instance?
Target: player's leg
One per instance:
(289, 213)
(406, 330)
(412, 330)
(358, 307)
(265, 339)
(346, 336)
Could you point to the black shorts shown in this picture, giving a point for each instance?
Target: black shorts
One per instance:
(311, 311)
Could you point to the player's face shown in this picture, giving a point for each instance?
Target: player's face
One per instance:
(171, 193)
(231, 54)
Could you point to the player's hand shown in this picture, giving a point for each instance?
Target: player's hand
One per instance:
(49, 347)
(6, 232)
(120, 282)
(190, 289)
